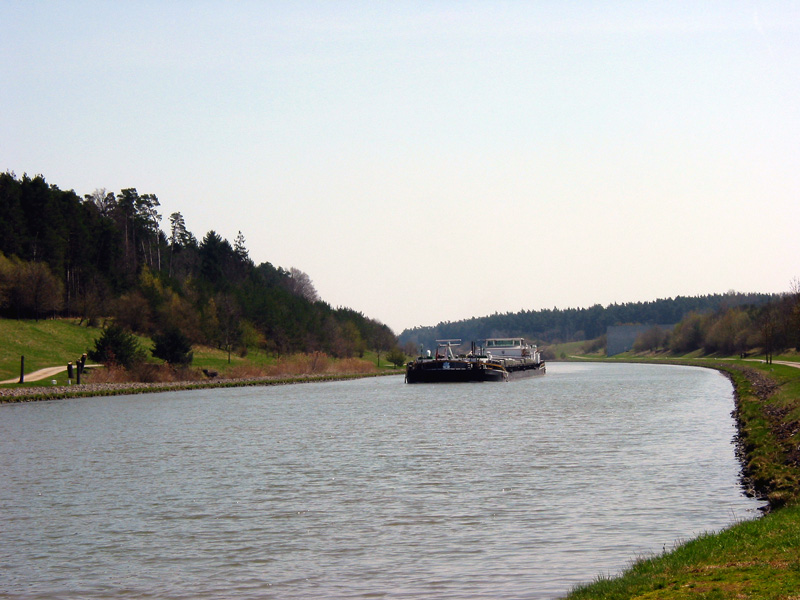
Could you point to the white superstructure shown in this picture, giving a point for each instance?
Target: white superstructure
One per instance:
(510, 348)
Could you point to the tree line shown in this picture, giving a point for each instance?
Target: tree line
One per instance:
(108, 255)
(733, 330)
(552, 326)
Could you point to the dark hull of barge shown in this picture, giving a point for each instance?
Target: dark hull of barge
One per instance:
(519, 369)
(435, 371)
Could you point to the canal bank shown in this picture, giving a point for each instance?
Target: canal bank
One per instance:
(58, 392)
(754, 559)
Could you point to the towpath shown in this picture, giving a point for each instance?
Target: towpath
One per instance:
(788, 363)
(40, 374)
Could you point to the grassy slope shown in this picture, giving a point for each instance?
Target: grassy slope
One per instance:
(42, 343)
(49, 343)
(755, 559)
(56, 342)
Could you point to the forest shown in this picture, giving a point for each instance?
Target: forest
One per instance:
(729, 323)
(768, 328)
(107, 256)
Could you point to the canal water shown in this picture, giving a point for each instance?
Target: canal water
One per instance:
(365, 489)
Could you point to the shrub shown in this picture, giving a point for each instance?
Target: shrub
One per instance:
(396, 356)
(116, 346)
(144, 373)
(654, 338)
(173, 347)
(595, 345)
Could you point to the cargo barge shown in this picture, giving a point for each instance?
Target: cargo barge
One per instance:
(499, 359)
(516, 355)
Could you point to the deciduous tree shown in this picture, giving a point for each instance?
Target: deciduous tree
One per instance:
(37, 291)
(396, 356)
(103, 200)
(300, 283)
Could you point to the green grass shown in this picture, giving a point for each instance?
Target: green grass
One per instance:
(57, 342)
(50, 343)
(217, 360)
(566, 350)
(755, 559)
(42, 343)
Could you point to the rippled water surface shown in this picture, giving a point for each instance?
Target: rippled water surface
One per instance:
(365, 489)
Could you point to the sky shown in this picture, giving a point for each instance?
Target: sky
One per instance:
(433, 161)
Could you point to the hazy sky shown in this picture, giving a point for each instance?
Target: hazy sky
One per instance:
(433, 161)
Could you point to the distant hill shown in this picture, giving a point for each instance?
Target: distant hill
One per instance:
(106, 255)
(555, 325)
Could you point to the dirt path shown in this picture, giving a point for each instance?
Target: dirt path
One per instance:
(40, 374)
(788, 363)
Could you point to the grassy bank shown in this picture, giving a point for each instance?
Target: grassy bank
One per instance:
(51, 343)
(57, 392)
(43, 344)
(757, 559)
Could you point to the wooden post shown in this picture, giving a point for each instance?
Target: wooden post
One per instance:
(69, 370)
(22, 369)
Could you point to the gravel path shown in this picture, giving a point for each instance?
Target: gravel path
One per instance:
(777, 362)
(41, 374)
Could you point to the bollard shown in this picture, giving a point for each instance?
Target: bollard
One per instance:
(78, 374)
(69, 370)
(22, 369)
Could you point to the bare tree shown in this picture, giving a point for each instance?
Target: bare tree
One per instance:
(228, 316)
(794, 319)
(39, 290)
(300, 284)
(6, 280)
(104, 200)
(384, 341)
(132, 311)
(769, 327)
